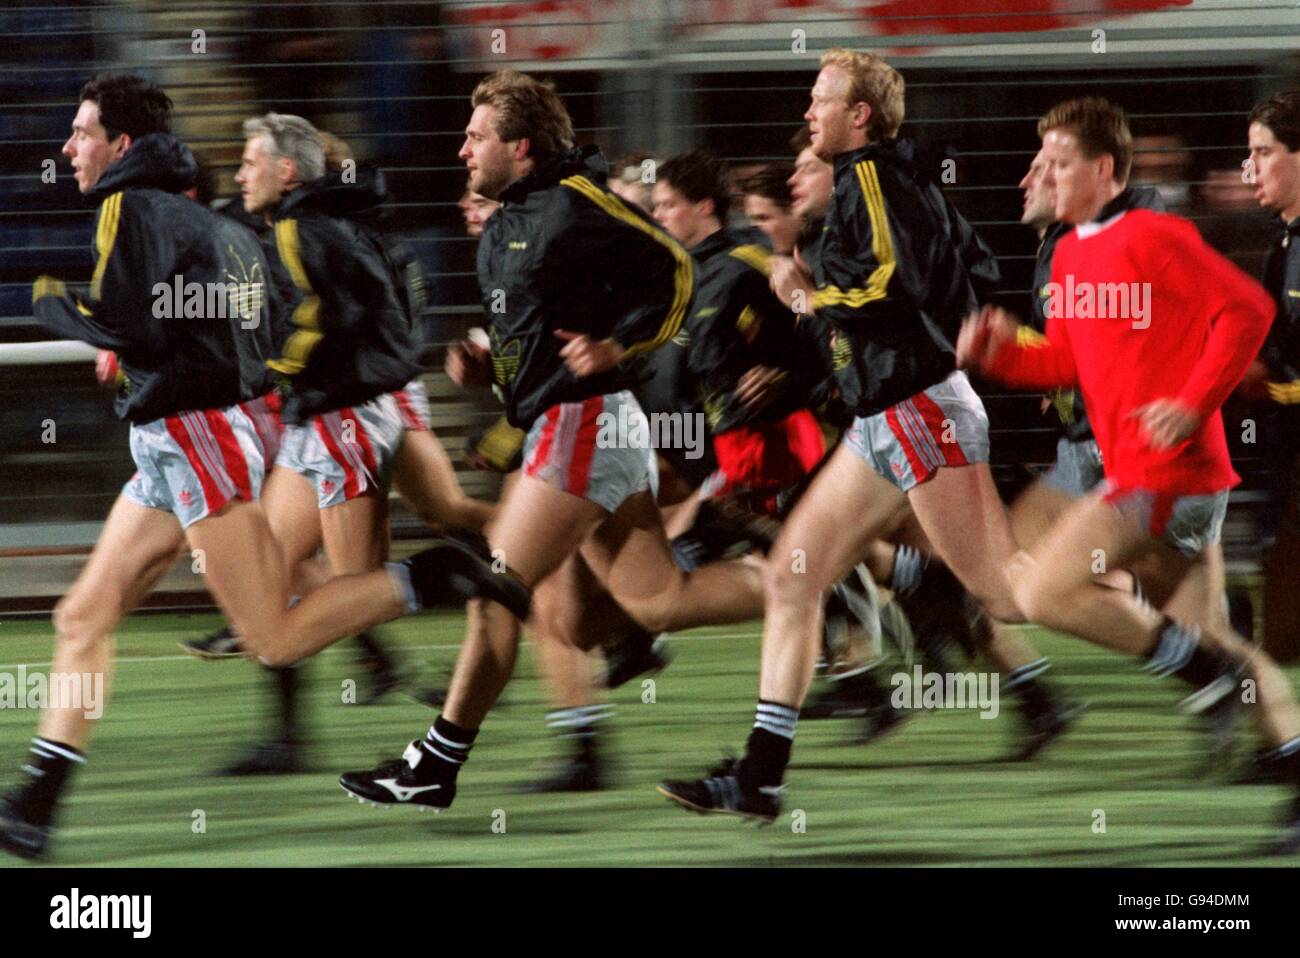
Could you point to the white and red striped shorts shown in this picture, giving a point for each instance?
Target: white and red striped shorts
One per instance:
(413, 402)
(599, 449)
(347, 452)
(194, 463)
(945, 425)
(264, 411)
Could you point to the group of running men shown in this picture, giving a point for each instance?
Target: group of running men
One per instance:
(857, 305)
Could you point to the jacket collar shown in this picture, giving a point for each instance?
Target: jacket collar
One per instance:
(580, 161)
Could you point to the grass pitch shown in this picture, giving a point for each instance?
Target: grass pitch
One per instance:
(934, 793)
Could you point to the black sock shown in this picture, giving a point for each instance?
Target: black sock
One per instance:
(767, 752)
(579, 725)
(47, 770)
(370, 653)
(287, 681)
(1023, 682)
(1178, 651)
(447, 746)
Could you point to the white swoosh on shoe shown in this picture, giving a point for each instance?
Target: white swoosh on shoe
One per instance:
(404, 793)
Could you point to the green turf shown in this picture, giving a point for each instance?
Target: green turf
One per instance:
(933, 794)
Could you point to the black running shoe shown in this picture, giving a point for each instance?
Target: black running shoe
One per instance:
(721, 791)
(221, 644)
(454, 571)
(635, 654)
(19, 834)
(582, 772)
(404, 781)
(1044, 728)
(881, 721)
(265, 758)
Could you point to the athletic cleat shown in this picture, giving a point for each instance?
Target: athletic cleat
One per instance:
(846, 696)
(404, 781)
(636, 654)
(1043, 729)
(722, 792)
(582, 773)
(265, 758)
(881, 721)
(20, 836)
(454, 571)
(221, 644)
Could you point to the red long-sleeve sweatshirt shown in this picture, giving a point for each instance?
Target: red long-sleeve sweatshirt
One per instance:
(1143, 309)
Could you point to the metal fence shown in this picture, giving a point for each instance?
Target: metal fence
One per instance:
(393, 79)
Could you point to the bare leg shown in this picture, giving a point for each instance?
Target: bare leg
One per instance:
(537, 528)
(630, 556)
(137, 546)
(1055, 586)
(814, 550)
(423, 475)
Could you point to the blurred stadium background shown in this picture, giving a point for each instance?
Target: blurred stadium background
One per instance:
(393, 78)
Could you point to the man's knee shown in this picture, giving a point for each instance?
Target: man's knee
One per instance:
(82, 623)
(787, 579)
(1034, 596)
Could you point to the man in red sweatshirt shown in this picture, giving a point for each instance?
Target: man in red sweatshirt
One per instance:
(1156, 329)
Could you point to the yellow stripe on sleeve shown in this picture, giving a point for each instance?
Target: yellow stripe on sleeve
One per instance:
(306, 317)
(882, 247)
(1029, 338)
(110, 214)
(683, 275)
(754, 255)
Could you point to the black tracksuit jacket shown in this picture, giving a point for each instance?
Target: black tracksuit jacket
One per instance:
(564, 253)
(147, 234)
(897, 271)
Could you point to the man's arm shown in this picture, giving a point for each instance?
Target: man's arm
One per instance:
(120, 312)
(650, 277)
(994, 343)
(1240, 315)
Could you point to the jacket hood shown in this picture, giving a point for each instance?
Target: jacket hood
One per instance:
(585, 161)
(331, 196)
(157, 161)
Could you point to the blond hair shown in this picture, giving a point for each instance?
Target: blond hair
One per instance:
(874, 82)
(1100, 127)
(526, 109)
